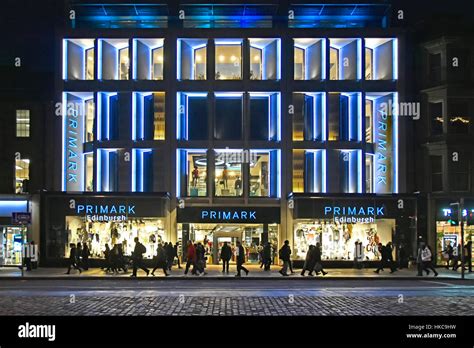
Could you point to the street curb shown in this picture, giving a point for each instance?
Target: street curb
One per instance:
(196, 278)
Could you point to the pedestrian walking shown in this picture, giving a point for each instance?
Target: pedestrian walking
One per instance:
(457, 257)
(79, 254)
(382, 253)
(402, 257)
(240, 258)
(73, 259)
(285, 254)
(226, 254)
(318, 265)
(309, 261)
(190, 258)
(419, 262)
(161, 260)
(448, 253)
(426, 259)
(267, 256)
(176, 254)
(389, 257)
(169, 255)
(468, 256)
(260, 255)
(85, 257)
(201, 259)
(137, 258)
(107, 265)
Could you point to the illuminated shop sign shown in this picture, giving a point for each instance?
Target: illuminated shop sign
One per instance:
(383, 156)
(229, 215)
(447, 212)
(354, 214)
(105, 212)
(73, 140)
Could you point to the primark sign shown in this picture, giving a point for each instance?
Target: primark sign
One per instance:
(354, 214)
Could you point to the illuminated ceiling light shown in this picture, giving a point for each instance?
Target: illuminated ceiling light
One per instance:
(160, 59)
(256, 58)
(221, 58)
(233, 58)
(198, 59)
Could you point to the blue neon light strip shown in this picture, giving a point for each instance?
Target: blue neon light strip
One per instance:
(8, 207)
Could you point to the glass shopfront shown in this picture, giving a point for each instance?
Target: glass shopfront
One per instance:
(12, 239)
(100, 220)
(338, 223)
(253, 227)
(338, 239)
(447, 234)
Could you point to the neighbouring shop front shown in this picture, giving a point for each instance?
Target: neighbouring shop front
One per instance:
(446, 233)
(12, 234)
(337, 223)
(97, 220)
(212, 226)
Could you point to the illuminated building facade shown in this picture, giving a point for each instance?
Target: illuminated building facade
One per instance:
(257, 122)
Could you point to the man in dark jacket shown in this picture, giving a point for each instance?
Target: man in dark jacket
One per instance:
(285, 253)
(383, 255)
(137, 258)
(161, 260)
(318, 266)
(226, 254)
(73, 259)
(389, 257)
(169, 255)
(85, 257)
(240, 258)
(267, 256)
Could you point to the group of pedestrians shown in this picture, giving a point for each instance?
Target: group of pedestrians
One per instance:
(78, 257)
(266, 256)
(312, 261)
(196, 257)
(454, 258)
(386, 258)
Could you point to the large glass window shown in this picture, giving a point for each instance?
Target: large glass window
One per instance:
(78, 59)
(309, 171)
(381, 59)
(192, 58)
(228, 59)
(369, 121)
(192, 175)
(192, 116)
(309, 117)
(142, 170)
(265, 59)
(89, 172)
(345, 116)
(309, 59)
(345, 167)
(369, 173)
(228, 117)
(228, 172)
(436, 117)
(22, 175)
(89, 120)
(344, 59)
(148, 59)
(148, 116)
(264, 116)
(338, 240)
(114, 60)
(107, 116)
(107, 170)
(150, 231)
(264, 173)
(22, 123)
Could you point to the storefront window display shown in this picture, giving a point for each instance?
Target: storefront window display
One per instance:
(11, 240)
(96, 234)
(228, 177)
(451, 235)
(338, 239)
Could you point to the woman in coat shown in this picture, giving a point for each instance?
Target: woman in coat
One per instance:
(161, 260)
(309, 262)
(318, 266)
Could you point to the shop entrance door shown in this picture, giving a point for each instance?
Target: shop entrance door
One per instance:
(11, 243)
(231, 238)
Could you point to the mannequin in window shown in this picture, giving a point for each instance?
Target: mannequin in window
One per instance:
(195, 176)
(238, 186)
(225, 174)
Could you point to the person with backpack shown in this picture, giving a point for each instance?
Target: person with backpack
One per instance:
(137, 257)
(226, 254)
(284, 254)
(240, 258)
(161, 260)
(426, 259)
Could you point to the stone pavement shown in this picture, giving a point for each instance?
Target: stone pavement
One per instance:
(214, 271)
